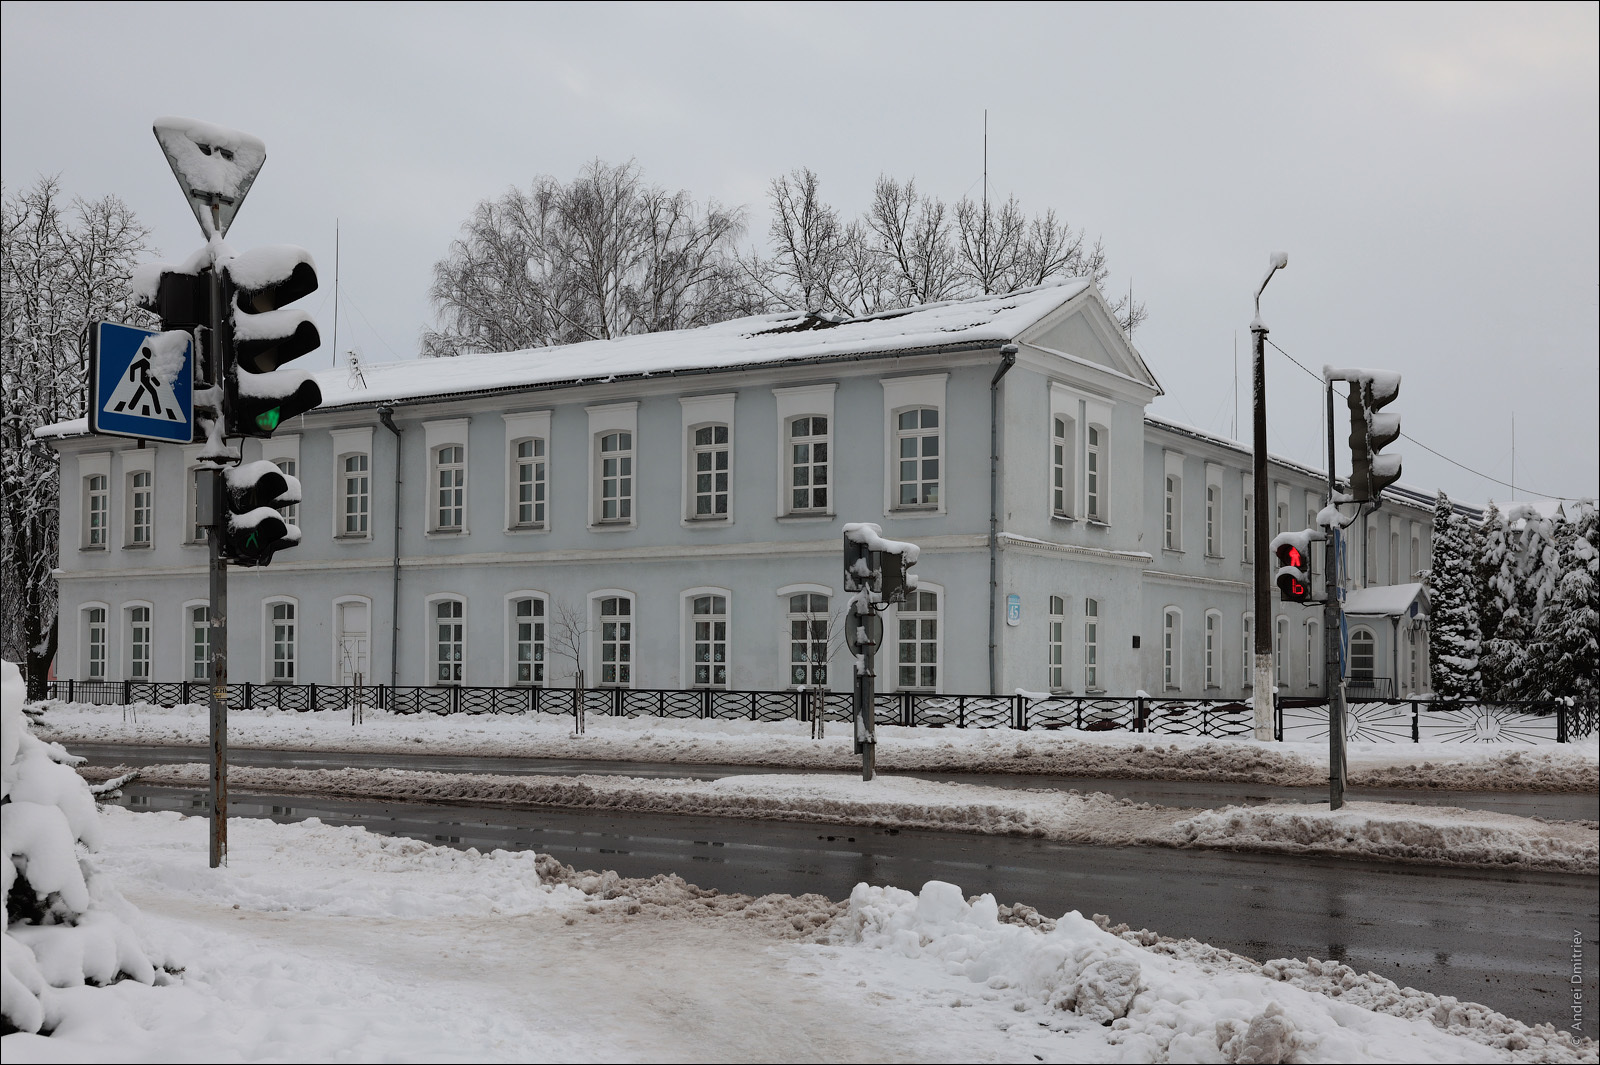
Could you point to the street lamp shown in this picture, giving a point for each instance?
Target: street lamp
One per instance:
(1263, 671)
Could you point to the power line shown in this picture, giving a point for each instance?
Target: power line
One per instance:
(1429, 450)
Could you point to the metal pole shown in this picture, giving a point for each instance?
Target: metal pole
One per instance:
(1262, 697)
(866, 723)
(1333, 672)
(217, 623)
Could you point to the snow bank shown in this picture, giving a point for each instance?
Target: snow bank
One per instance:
(1154, 1000)
(65, 926)
(1573, 767)
(1392, 832)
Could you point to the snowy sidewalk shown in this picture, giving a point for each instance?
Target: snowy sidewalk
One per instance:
(324, 943)
(1433, 835)
(1571, 767)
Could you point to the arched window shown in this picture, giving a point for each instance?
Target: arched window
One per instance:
(616, 477)
(1094, 474)
(616, 639)
(199, 618)
(1172, 650)
(1394, 558)
(528, 486)
(450, 482)
(808, 639)
(1060, 467)
(527, 640)
(917, 639)
(449, 645)
(141, 508)
(711, 454)
(917, 433)
(139, 643)
(1091, 645)
(1213, 635)
(96, 619)
(284, 642)
(710, 644)
(1058, 621)
(96, 510)
(1172, 515)
(1213, 501)
(1363, 657)
(356, 490)
(808, 463)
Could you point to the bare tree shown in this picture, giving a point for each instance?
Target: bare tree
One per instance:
(600, 257)
(568, 627)
(62, 266)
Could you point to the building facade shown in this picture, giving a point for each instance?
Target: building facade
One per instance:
(665, 511)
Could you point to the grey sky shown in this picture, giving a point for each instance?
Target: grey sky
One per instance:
(1431, 171)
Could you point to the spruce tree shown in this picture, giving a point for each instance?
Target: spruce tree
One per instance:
(1452, 590)
(1567, 642)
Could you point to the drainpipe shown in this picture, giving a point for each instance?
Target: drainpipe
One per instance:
(386, 415)
(1008, 359)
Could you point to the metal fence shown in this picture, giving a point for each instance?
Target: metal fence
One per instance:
(1369, 721)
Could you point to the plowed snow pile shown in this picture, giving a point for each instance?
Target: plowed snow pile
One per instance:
(1480, 766)
(325, 943)
(1387, 831)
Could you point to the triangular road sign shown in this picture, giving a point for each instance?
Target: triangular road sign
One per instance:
(215, 167)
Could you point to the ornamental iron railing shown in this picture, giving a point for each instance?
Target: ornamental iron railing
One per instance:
(1366, 721)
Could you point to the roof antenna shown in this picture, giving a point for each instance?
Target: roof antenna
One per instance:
(357, 378)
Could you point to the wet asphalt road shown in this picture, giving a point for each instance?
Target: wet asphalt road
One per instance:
(1500, 938)
(1163, 792)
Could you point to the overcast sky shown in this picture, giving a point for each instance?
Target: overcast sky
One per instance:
(1431, 171)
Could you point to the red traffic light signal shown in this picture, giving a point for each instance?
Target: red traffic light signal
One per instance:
(1292, 586)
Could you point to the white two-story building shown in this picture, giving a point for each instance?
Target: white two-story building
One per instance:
(675, 500)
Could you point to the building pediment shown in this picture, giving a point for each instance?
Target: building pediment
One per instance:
(1085, 331)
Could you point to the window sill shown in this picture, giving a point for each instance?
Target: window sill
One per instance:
(1094, 691)
(1172, 551)
(611, 526)
(808, 516)
(353, 539)
(1215, 558)
(1065, 519)
(92, 547)
(915, 512)
(446, 534)
(524, 530)
(705, 523)
(137, 547)
(1096, 523)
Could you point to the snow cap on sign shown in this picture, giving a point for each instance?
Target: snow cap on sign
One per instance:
(167, 351)
(213, 164)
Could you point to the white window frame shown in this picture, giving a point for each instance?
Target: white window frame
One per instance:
(90, 466)
(1394, 555)
(804, 401)
(520, 428)
(688, 638)
(1247, 549)
(597, 639)
(1313, 652)
(191, 641)
(137, 463)
(1281, 665)
(1371, 637)
(538, 661)
(1172, 501)
(448, 489)
(1056, 645)
(1247, 627)
(348, 443)
(1213, 511)
(131, 645)
(269, 640)
(1097, 416)
(809, 618)
(603, 421)
(1212, 636)
(1062, 502)
(703, 412)
(891, 639)
(1416, 555)
(901, 394)
(281, 449)
(87, 628)
(193, 534)
(1171, 649)
(431, 606)
(1092, 620)
(437, 436)
(336, 633)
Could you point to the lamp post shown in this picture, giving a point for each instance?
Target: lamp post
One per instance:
(1263, 672)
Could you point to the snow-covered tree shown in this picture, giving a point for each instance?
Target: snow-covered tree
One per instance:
(1452, 588)
(1567, 640)
(602, 256)
(62, 266)
(1490, 556)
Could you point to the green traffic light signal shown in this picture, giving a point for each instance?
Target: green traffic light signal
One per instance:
(267, 420)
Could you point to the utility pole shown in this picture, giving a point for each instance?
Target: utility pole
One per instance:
(1333, 629)
(1262, 695)
(217, 614)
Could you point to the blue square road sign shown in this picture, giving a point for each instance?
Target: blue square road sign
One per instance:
(141, 383)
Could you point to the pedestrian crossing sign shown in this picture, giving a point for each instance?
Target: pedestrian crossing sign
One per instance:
(141, 383)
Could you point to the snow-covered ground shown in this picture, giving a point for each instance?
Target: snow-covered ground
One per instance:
(1485, 766)
(1434, 835)
(325, 943)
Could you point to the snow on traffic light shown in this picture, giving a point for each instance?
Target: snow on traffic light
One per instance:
(268, 334)
(255, 530)
(1370, 430)
(1293, 552)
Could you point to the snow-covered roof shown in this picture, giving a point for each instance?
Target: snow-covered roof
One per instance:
(1387, 600)
(786, 337)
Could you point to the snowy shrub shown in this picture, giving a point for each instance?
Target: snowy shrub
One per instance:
(65, 926)
(1452, 589)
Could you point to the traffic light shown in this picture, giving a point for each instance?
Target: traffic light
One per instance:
(896, 582)
(266, 335)
(1371, 432)
(860, 566)
(255, 529)
(1293, 552)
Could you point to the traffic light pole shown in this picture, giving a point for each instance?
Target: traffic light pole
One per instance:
(218, 618)
(866, 723)
(1332, 625)
(1262, 672)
